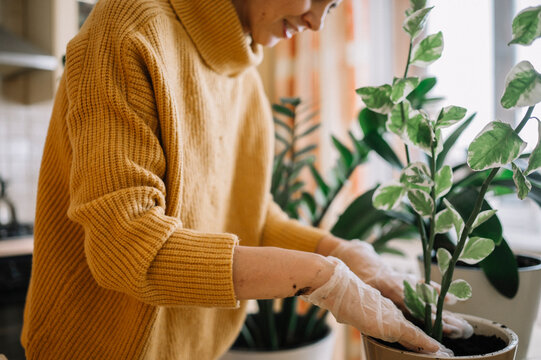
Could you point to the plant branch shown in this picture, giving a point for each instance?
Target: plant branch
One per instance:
(448, 276)
(409, 58)
(433, 215)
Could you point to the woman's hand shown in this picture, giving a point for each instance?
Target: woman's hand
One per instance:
(367, 265)
(353, 302)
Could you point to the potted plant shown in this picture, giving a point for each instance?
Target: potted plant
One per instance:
(427, 185)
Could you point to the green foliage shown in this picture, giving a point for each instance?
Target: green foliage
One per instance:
(428, 50)
(482, 217)
(415, 22)
(388, 197)
(496, 145)
(461, 289)
(534, 163)
(444, 258)
(402, 88)
(522, 86)
(450, 115)
(522, 184)
(527, 26)
(421, 201)
(413, 302)
(444, 181)
(378, 98)
(476, 249)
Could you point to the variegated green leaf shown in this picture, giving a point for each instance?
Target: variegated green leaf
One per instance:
(476, 249)
(415, 22)
(427, 293)
(415, 5)
(523, 185)
(388, 197)
(413, 302)
(527, 26)
(402, 88)
(416, 173)
(444, 181)
(421, 202)
(534, 163)
(450, 115)
(522, 86)
(444, 221)
(428, 50)
(496, 145)
(458, 222)
(482, 217)
(461, 289)
(419, 131)
(377, 99)
(444, 258)
(394, 120)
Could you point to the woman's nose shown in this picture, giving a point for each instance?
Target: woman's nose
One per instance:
(315, 18)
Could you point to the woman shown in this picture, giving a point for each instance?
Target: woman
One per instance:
(154, 193)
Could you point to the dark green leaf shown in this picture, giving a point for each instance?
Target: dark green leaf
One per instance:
(283, 124)
(294, 101)
(345, 153)
(418, 96)
(464, 202)
(305, 150)
(322, 185)
(282, 139)
(310, 202)
(501, 269)
(413, 302)
(308, 131)
(283, 110)
(450, 141)
(358, 218)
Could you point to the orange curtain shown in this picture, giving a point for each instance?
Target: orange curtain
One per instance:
(324, 69)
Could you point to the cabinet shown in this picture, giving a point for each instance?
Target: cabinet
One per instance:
(46, 25)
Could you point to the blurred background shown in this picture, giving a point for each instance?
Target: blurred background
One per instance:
(362, 44)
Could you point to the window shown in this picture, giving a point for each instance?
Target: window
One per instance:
(471, 73)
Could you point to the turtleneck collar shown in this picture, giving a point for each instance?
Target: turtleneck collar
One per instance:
(215, 28)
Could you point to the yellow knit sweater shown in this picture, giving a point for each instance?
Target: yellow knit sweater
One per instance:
(157, 163)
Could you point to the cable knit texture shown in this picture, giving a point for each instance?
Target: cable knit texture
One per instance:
(157, 163)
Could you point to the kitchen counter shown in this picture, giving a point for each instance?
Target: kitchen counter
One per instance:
(23, 245)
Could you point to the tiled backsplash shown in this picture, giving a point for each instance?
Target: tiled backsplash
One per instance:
(22, 135)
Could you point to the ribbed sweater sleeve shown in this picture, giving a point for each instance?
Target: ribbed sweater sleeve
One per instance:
(117, 114)
(281, 231)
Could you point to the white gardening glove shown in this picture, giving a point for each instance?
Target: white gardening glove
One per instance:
(355, 303)
(369, 266)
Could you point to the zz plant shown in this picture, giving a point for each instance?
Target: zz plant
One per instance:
(424, 186)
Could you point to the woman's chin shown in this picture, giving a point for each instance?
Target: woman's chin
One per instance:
(267, 41)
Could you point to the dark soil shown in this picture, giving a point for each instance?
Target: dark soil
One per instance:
(475, 345)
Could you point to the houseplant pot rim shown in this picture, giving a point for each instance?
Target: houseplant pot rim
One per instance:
(512, 341)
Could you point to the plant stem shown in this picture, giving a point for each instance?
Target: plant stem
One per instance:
(432, 234)
(525, 119)
(402, 104)
(409, 58)
(448, 276)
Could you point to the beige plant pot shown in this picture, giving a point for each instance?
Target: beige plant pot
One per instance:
(376, 351)
(519, 313)
(319, 350)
